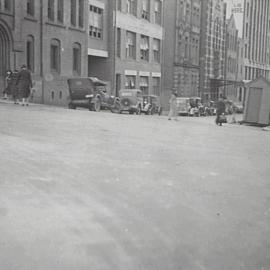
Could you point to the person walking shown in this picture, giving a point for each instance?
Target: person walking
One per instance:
(7, 90)
(221, 107)
(173, 107)
(24, 84)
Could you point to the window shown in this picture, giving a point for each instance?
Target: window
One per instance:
(118, 45)
(77, 59)
(95, 22)
(81, 13)
(55, 55)
(119, 5)
(130, 82)
(145, 9)
(73, 8)
(144, 87)
(131, 45)
(51, 10)
(156, 50)
(144, 48)
(132, 7)
(7, 5)
(30, 7)
(157, 11)
(30, 52)
(60, 11)
(156, 86)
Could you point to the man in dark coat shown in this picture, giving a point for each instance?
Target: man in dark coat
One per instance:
(24, 84)
(221, 107)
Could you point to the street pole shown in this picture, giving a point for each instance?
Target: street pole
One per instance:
(41, 52)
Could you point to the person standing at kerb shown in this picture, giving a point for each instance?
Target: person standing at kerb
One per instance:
(24, 84)
(173, 107)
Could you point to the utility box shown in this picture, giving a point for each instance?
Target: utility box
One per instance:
(257, 104)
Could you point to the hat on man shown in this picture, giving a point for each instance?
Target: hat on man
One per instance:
(23, 66)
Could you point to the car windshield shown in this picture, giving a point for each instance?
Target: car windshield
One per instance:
(101, 88)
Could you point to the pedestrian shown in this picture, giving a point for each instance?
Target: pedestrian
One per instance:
(7, 90)
(221, 107)
(14, 88)
(173, 107)
(24, 84)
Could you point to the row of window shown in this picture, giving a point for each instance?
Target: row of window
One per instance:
(55, 11)
(144, 46)
(6, 5)
(130, 83)
(55, 55)
(132, 8)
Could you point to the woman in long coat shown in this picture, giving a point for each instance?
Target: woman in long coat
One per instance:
(7, 91)
(24, 84)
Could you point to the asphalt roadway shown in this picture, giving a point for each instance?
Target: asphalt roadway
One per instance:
(81, 190)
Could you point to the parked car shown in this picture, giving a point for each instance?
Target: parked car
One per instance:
(91, 93)
(238, 107)
(183, 105)
(151, 105)
(131, 100)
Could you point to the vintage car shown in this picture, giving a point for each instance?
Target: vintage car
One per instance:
(183, 105)
(151, 105)
(131, 100)
(91, 93)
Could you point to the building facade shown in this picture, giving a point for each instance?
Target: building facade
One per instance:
(136, 45)
(256, 38)
(182, 34)
(231, 60)
(49, 36)
(212, 49)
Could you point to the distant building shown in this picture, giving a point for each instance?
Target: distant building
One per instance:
(50, 38)
(182, 42)
(212, 49)
(256, 32)
(231, 60)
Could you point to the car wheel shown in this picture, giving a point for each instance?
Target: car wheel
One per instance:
(130, 112)
(97, 105)
(116, 108)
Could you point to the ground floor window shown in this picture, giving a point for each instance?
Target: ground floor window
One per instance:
(156, 86)
(144, 85)
(130, 82)
(30, 52)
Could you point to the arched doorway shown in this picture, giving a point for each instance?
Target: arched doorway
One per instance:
(5, 49)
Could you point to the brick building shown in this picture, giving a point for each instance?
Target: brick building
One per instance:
(50, 37)
(212, 49)
(182, 36)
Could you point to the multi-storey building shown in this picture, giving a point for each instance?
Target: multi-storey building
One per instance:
(212, 49)
(256, 37)
(231, 60)
(49, 36)
(136, 35)
(182, 43)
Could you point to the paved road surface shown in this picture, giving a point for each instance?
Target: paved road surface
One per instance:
(83, 190)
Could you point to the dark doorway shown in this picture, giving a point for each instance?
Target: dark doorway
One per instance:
(4, 55)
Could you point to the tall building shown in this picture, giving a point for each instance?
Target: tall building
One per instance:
(182, 42)
(256, 37)
(231, 60)
(212, 49)
(49, 36)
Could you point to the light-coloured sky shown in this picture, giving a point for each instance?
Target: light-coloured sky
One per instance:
(238, 16)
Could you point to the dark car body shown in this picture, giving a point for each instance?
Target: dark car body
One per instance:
(131, 100)
(91, 93)
(151, 105)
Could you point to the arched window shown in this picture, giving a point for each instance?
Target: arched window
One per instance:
(30, 53)
(55, 56)
(77, 59)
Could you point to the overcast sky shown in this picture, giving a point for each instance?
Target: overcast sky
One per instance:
(238, 16)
